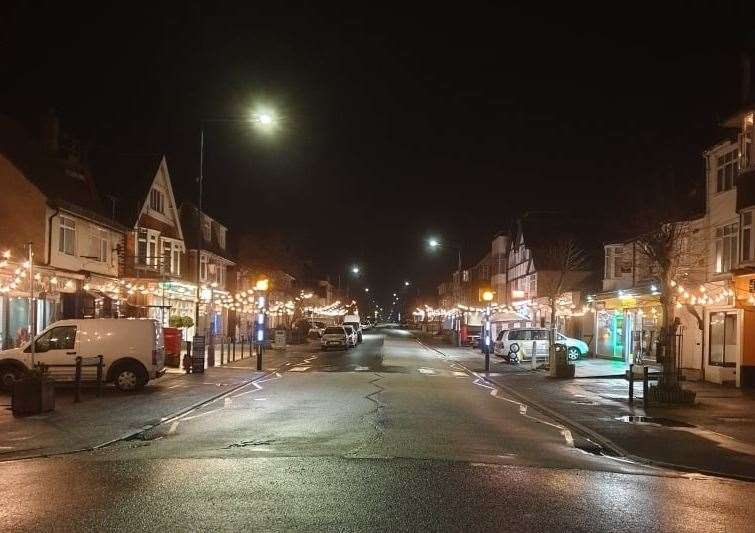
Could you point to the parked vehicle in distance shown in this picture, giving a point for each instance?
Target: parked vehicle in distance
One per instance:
(474, 340)
(334, 337)
(316, 329)
(524, 342)
(133, 351)
(365, 326)
(351, 336)
(353, 321)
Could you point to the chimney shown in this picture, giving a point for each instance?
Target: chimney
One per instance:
(746, 77)
(50, 132)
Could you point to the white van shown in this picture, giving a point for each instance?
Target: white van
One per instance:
(353, 321)
(133, 351)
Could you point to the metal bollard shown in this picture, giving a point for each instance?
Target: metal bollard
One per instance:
(100, 364)
(645, 387)
(631, 384)
(234, 349)
(77, 381)
(242, 347)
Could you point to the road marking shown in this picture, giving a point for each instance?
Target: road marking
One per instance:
(173, 427)
(227, 403)
(361, 368)
(461, 374)
(299, 369)
(426, 371)
(260, 399)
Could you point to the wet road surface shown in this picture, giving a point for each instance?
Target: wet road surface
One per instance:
(386, 436)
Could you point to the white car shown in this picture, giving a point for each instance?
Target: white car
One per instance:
(133, 351)
(524, 342)
(352, 336)
(353, 321)
(334, 337)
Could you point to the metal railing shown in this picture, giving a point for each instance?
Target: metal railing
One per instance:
(81, 363)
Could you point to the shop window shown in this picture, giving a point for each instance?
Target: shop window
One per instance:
(723, 343)
(725, 248)
(727, 167)
(67, 238)
(747, 243)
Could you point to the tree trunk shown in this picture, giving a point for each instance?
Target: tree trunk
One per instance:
(668, 338)
(552, 363)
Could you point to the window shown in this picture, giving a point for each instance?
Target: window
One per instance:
(202, 267)
(156, 201)
(153, 256)
(539, 334)
(747, 244)
(465, 275)
(99, 244)
(725, 248)
(60, 338)
(141, 247)
(206, 226)
(723, 344)
(221, 238)
(520, 335)
(167, 255)
(67, 238)
(727, 168)
(175, 260)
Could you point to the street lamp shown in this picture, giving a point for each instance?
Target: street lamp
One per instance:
(436, 243)
(406, 284)
(366, 289)
(355, 269)
(264, 120)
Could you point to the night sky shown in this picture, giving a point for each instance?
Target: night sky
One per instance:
(398, 122)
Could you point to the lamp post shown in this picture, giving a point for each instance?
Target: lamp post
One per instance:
(260, 290)
(487, 297)
(435, 243)
(264, 119)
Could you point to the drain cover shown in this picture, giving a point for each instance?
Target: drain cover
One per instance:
(654, 421)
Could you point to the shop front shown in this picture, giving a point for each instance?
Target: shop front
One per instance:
(627, 327)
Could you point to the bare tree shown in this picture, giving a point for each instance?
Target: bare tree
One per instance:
(674, 255)
(566, 266)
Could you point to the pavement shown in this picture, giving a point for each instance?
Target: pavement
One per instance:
(715, 436)
(80, 426)
(384, 437)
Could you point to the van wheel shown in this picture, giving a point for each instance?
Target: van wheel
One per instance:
(573, 353)
(129, 377)
(8, 375)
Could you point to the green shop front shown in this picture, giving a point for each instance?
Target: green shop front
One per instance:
(627, 325)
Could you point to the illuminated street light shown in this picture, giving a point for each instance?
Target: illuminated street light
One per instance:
(355, 269)
(366, 289)
(434, 243)
(406, 284)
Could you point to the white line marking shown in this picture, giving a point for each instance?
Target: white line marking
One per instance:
(361, 368)
(173, 427)
(299, 369)
(426, 371)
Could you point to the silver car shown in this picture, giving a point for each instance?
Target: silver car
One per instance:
(524, 342)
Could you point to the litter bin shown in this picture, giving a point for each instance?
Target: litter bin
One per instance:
(563, 369)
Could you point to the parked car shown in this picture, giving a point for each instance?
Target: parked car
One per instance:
(133, 351)
(316, 329)
(474, 340)
(334, 337)
(526, 341)
(353, 321)
(351, 335)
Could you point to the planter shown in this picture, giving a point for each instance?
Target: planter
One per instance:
(33, 395)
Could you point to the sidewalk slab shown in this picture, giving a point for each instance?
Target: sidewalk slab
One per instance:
(717, 435)
(95, 421)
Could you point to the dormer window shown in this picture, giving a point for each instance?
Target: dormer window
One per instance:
(157, 201)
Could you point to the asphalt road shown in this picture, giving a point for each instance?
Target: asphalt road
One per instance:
(386, 436)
